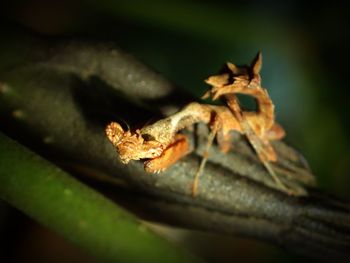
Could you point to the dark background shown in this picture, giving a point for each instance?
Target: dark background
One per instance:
(305, 70)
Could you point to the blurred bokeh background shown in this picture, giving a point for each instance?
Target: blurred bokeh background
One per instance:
(305, 71)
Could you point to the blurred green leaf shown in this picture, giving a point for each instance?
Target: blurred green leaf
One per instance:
(77, 212)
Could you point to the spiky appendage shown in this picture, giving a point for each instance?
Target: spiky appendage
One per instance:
(174, 152)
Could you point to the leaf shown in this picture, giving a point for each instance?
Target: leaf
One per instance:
(77, 212)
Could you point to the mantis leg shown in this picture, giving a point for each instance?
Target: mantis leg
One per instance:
(213, 132)
(263, 148)
(175, 151)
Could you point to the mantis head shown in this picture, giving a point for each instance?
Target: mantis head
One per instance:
(131, 145)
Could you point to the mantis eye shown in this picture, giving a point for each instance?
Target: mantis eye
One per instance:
(114, 132)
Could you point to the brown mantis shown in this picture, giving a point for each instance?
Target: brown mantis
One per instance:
(161, 144)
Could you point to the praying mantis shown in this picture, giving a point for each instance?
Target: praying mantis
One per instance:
(161, 145)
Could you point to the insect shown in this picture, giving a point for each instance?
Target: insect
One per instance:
(160, 144)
